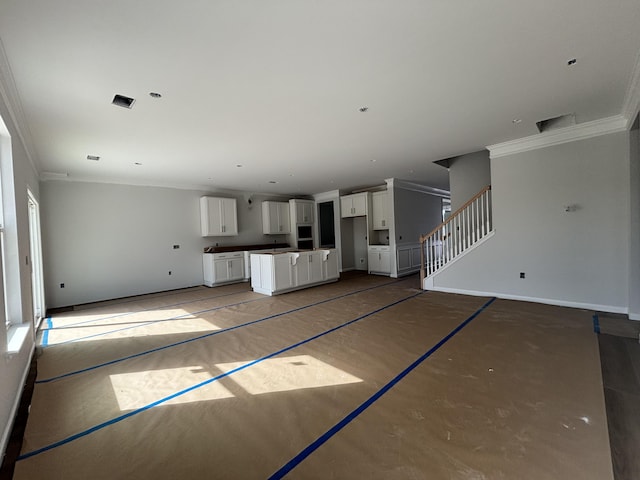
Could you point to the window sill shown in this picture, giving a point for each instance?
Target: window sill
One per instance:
(16, 337)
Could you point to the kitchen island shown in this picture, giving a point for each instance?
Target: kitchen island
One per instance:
(273, 273)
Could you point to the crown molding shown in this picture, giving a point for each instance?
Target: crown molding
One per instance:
(632, 97)
(581, 131)
(11, 98)
(416, 187)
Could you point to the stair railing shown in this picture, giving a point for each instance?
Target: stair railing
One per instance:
(464, 227)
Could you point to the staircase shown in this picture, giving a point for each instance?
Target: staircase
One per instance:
(463, 230)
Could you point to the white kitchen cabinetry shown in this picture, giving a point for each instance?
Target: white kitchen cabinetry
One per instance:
(380, 207)
(218, 216)
(379, 259)
(303, 211)
(223, 268)
(275, 218)
(281, 272)
(307, 267)
(354, 205)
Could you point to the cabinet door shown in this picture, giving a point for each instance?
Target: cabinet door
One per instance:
(304, 212)
(330, 266)
(282, 272)
(220, 270)
(360, 204)
(346, 207)
(315, 267)
(284, 222)
(385, 261)
(380, 210)
(228, 216)
(235, 268)
(301, 270)
(374, 261)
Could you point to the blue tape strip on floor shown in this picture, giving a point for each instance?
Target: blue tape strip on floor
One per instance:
(208, 381)
(207, 335)
(144, 324)
(346, 420)
(45, 335)
(596, 324)
(119, 315)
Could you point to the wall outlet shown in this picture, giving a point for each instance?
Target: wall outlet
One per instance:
(62, 285)
(169, 272)
(362, 260)
(175, 247)
(521, 274)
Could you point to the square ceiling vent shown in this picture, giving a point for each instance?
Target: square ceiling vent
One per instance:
(122, 101)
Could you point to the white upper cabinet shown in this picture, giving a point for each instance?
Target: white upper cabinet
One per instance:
(353, 205)
(218, 216)
(304, 211)
(380, 207)
(275, 218)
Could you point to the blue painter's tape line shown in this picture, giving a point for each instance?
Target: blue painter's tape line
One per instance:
(596, 323)
(208, 381)
(144, 324)
(119, 315)
(207, 335)
(346, 420)
(45, 335)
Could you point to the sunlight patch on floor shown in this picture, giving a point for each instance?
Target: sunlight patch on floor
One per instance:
(138, 389)
(287, 373)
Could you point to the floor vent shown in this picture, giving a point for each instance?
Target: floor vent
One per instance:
(122, 101)
(556, 122)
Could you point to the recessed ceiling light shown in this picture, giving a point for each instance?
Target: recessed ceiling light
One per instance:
(573, 61)
(95, 158)
(122, 101)
(516, 120)
(137, 163)
(363, 109)
(239, 166)
(272, 181)
(373, 160)
(155, 95)
(292, 175)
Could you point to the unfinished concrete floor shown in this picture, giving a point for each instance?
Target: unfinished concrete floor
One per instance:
(365, 378)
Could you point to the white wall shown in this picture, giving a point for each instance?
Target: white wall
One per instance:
(107, 241)
(468, 174)
(577, 258)
(634, 246)
(13, 368)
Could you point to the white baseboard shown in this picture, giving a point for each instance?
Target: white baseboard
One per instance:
(634, 316)
(16, 403)
(547, 301)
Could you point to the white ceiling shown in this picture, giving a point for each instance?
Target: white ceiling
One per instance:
(275, 86)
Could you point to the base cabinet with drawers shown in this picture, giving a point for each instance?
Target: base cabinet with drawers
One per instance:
(223, 268)
(379, 257)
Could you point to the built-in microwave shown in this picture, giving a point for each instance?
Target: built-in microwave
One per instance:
(304, 231)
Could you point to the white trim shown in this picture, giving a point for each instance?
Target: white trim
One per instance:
(546, 301)
(9, 93)
(326, 196)
(16, 404)
(634, 316)
(632, 97)
(416, 187)
(581, 131)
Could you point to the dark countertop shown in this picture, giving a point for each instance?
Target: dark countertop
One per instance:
(242, 248)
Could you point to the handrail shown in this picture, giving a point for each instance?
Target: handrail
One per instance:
(456, 213)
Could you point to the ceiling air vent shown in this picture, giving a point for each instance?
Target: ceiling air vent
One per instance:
(556, 122)
(122, 101)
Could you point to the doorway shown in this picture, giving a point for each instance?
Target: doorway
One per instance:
(35, 248)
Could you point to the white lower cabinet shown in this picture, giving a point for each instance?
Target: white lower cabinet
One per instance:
(223, 268)
(280, 272)
(379, 259)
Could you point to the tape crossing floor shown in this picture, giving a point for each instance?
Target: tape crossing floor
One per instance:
(364, 378)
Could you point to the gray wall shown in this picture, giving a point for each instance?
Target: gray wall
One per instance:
(468, 174)
(107, 241)
(13, 368)
(414, 213)
(576, 258)
(634, 246)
